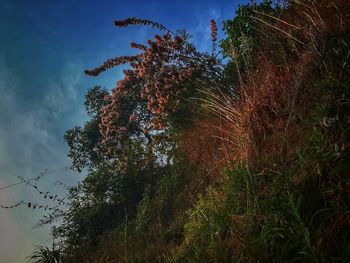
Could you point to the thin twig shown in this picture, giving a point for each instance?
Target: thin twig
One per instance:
(282, 31)
(278, 19)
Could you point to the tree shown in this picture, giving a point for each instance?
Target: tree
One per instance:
(83, 142)
(128, 144)
(156, 91)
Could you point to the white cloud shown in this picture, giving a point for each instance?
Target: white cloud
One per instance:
(29, 143)
(60, 94)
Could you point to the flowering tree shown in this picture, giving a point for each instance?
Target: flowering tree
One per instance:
(155, 91)
(118, 144)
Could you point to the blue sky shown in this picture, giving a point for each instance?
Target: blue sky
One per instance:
(44, 48)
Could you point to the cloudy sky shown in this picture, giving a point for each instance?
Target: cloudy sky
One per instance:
(44, 48)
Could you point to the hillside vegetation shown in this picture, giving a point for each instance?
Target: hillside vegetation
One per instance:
(191, 159)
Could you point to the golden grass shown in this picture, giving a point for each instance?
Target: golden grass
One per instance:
(265, 120)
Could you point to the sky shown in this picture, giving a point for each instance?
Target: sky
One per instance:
(45, 46)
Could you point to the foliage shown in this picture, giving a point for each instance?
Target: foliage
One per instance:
(45, 255)
(274, 186)
(101, 200)
(83, 142)
(240, 31)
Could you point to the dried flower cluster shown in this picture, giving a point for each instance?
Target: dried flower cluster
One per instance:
(164, 67)
(137, 21)
(112, 125)
(214, 34)
(110, 63)
(138, 46)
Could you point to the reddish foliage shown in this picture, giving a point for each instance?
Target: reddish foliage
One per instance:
(214, 34)
(159, 81)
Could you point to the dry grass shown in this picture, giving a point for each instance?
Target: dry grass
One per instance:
(265, 121)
